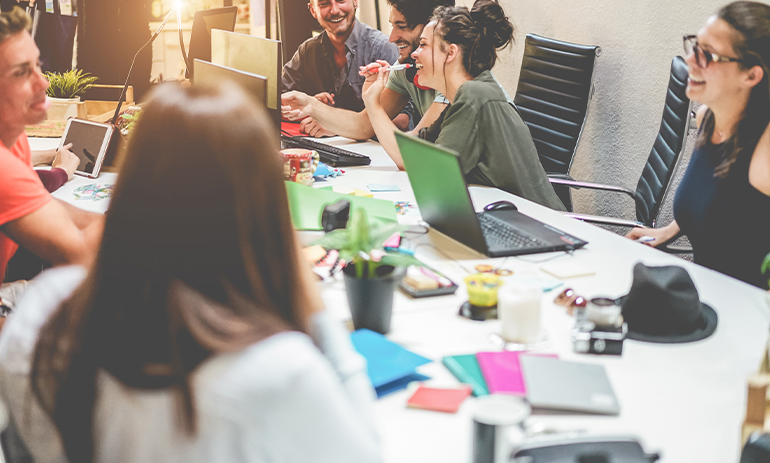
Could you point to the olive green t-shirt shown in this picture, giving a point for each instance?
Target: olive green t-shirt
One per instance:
(422, 99)
(494, 144)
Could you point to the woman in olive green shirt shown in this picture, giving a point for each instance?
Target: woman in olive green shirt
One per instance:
(457, 50)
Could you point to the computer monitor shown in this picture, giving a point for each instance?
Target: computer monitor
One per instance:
(200, 37)
(255, 55)
(295, 25)
(212, 74)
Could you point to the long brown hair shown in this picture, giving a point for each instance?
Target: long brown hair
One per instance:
(751, 23)
(198, 257)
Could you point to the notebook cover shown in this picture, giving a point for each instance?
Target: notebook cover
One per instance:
(502, 371)
(466, 370)
(292, 128)
(306, 205)
(554, 384)
(439, 400)
(390, 366)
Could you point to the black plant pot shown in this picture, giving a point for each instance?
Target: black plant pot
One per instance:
(371, 299)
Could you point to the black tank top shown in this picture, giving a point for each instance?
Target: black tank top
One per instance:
(726, 219)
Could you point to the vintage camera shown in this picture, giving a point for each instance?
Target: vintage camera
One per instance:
(587, 338)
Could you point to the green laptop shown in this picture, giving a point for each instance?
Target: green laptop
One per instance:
(442, 195)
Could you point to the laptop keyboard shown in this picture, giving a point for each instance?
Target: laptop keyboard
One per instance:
(500, 234)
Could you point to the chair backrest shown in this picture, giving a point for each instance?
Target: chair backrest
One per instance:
(668, 146)
(555, 86)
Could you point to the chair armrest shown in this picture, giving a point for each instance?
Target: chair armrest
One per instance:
(671, 249)
(604, 220)
(551, 175)
(591, 186)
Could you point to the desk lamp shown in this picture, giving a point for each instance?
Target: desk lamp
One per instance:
(178, 8)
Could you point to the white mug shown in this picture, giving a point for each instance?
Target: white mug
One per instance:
(518, 308)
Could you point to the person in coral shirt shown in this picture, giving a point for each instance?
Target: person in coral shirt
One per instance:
(49, 228)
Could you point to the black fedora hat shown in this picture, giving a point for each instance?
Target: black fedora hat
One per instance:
(663, 306)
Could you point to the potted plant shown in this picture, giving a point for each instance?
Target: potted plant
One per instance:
(766, 268)
(64, 90)
(370, 272)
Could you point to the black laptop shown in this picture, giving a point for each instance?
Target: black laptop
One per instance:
(442, 195)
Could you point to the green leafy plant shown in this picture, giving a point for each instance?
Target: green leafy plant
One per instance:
(766, 268)
(69, 84)
(361, 244)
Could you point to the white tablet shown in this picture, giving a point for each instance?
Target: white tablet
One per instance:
(90, 142)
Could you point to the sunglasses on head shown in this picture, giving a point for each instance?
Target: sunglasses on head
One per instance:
(704, 58)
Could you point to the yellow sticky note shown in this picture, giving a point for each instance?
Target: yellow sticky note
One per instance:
(365, 194)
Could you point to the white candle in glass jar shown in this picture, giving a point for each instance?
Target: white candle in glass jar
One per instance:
(518, 308)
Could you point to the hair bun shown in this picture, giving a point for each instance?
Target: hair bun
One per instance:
(492, 23)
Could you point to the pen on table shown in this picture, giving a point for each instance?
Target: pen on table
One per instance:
(644, 239)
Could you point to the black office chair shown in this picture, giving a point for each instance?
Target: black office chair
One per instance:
(757, 449)
(660, 166)
(555, 86)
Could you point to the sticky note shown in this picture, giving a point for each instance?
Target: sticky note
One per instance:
(439, 400)
(376, 187)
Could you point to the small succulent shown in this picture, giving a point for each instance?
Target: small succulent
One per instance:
(69, 84)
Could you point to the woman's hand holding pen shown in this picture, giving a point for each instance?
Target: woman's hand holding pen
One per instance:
(373, 90)
(372, 70)
(654, 237)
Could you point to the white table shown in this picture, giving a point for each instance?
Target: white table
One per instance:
(685, 401)
(66, 192)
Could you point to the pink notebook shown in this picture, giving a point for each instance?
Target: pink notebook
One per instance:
(502, 371)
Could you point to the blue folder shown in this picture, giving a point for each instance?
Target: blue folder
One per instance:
(390, 366)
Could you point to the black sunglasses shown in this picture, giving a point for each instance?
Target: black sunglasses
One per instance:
(704, 58)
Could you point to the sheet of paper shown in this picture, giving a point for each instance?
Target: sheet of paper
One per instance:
(66, 7)
(567, 270)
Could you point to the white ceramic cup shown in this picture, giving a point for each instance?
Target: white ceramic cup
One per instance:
(518, 308)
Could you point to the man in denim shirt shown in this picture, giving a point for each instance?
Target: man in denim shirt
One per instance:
(327, 66)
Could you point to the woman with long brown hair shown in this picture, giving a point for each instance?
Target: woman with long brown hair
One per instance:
(192, 337)
(723, 201)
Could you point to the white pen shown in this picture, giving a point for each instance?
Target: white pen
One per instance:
(399, 67)
(645, 239)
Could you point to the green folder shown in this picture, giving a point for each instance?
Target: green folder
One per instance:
(466, 369)
(306, 204)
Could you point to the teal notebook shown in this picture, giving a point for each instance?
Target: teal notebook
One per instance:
(466, 369)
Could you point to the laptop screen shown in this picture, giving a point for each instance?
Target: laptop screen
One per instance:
(441, 191)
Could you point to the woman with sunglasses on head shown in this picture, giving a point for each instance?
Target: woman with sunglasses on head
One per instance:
(457, 51)
(197, 336)
(723, 201)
